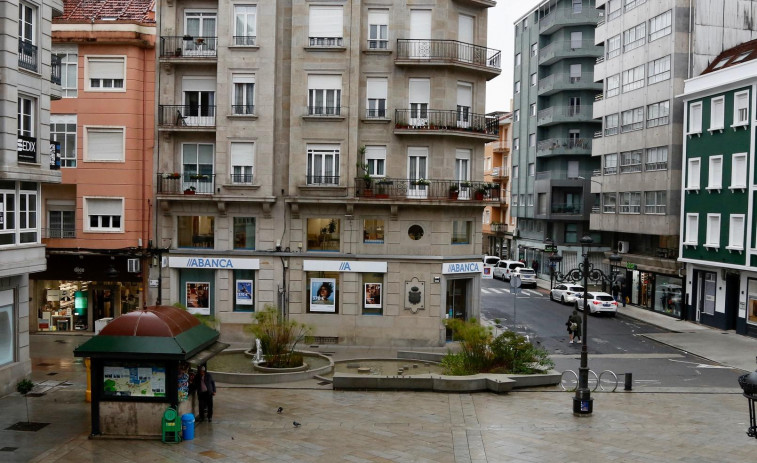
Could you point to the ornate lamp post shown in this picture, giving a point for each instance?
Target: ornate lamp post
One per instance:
(554, 259)
(748, 383)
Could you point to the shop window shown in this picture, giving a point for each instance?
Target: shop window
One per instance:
(373, 231)
(751, 316)
(707, 292)
(323, 292)
(244, 291)
(373, 293)
(323, 234)
(244, 233)
(7, 328)
(461, 231)
(196, 290)
(196, 231)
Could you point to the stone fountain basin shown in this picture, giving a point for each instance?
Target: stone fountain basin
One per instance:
(272, 375)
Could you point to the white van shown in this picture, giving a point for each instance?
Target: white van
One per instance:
(490, 261)
(504, 267)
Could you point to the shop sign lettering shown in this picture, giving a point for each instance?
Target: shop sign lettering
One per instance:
(209, 263)
(462, 267)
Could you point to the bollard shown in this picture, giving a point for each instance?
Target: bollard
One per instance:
(628, 382)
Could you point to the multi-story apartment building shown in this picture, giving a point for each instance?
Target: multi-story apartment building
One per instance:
(718, 219)
(96, 222)
(650, 47)
(498, 223)
(318, 157)
(553, 128)
(30, 78)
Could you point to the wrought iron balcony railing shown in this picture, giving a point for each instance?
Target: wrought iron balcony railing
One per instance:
(188, 184)
(243, 110)
(241, 179)
(59, 232)
(326, 111)
(449, 120)
(189, 47)
(567, 208)
(27, 56)
(498, 227)
(448, 51)
(55, 69)
(326, 180)
(244, 40)
(186, 116)
(413, 189)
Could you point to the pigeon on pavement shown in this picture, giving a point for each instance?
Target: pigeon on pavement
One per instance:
(296, 424)
(280, 409)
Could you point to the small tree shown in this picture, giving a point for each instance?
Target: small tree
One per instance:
(23, 387)
(207, 320)
(279, 337)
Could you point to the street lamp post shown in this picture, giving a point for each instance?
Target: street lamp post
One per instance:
(583, 403)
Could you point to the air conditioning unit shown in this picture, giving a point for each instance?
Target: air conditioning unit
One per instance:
(132, 265)
(623, 247)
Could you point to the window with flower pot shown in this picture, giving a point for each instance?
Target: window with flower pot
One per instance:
(196, 231)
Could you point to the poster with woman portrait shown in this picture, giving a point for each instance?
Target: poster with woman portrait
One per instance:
(372, 296)
(198, 297)
(322, 295)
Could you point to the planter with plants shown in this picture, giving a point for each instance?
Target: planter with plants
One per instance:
(383, 188)
(480, 193)
(190, 190)
(454, 191)
(198, 177)
(367, 180)
(420, 181)
(172, 175)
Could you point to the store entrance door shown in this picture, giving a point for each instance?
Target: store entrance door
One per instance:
(457, 301)
(104, 302)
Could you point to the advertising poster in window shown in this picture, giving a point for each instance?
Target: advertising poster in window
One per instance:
(198, 298)
(751, 316)
(244, 292)
(372, 296)
(322, 297)
(134, 381)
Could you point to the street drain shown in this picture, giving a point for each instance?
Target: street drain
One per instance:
(323, 383)
(44, 364)
(52, 373)
(26, 426)
(8, 449)
(35, 394)
(61, 341)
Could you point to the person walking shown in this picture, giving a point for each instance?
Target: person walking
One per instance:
(574, 327)
(206, 389)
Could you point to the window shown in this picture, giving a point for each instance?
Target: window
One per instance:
(375, 160)
(660, 25)
(635, 37)
(323, 165)
(613, 46)
(530, 199)
(613, 9)
(244, 232)
(609, 202)
(103, 214)
(244, 285)
(517, 59)
(630, 161)
(575, 73)
(201, 25)
(659, 70)
(630, 202)
(611, 164)
(488, 163)
(534, 79)
(692, 229)
(531, 169)
(695, 118)
(325, 26)
(514, 199)
(376, 93)
(631, 4)
(738, 170)
(323, 234)
(196, 231)
(531, 139)
(197, 166)
(658, 114)
(715, 173)
(517, 87)
(69, 67)
(242, 162)
(61, 223)
(27, 37)
(611, 124)
(516, 144)
(516, 115)
(27, 129)
(461, 231)
(104, 144)
(199, 99)
(655, 202)
(105, 74)
(487, 218)
(633, 78)
(632, 119)
(577, 6)
(693, 173)
(717, 113)
(419, 96)
(571, 233)
(525, 24)
(741, 109)
(736, 232)
(63, 130)
(245, 24)
(613, 86)
(576, 39)
(8, 340)
(534, 49)
(515, 171)
(373, 298)
(378, 29)
(373, 231)
(713, 231)
(324, 95)
(8, 206)
(532, 110)
(657, 158)
(244, 94)
(28, 212)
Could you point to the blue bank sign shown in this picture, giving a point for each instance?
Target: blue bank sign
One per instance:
(462, 267)
(214, 263)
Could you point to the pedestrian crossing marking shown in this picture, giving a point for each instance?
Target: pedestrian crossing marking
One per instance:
(507, 291)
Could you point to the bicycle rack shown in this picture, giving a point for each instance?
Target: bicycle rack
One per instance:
(596, 381)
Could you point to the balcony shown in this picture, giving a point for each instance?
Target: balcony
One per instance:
(567, 17)
(185, 184)
(56, 92)
(563, 49)
(567, 208)
(189, 48)
(334, 113)
(431, 190)
(500, 173)
(445, 122)
(564, 81)
(242, 110)
(498, 228)
(480, 3)
(448, 52)
(186, 117)
(322, 180)
(27, 56)
(565, 114)
(558, 146)
(58, 232)
(501, 146)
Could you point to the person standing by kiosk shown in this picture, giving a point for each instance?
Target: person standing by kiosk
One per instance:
(206, 389)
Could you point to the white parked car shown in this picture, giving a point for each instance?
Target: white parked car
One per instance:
(527, 276)
(566, 293)
(598, 303)
(504, 267)
(490, 261)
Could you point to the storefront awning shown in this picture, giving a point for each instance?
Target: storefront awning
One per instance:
(208, 353)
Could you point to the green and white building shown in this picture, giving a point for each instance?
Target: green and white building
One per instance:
(718, 230)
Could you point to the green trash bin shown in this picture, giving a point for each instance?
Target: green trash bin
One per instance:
(170, 427)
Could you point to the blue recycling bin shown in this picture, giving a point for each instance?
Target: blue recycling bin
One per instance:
(187, 426)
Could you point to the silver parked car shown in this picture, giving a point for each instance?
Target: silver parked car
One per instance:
(566, 293)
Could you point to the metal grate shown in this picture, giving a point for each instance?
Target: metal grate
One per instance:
(326, 339)
(8, 449)
(26, 426)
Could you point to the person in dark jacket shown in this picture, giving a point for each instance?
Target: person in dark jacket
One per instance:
(206, 389)
(574, 326)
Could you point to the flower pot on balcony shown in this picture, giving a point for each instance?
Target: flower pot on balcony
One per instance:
(189, 191)
(368, 192)
(479, 196)
(453, 195)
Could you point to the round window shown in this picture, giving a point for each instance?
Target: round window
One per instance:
(415, 232)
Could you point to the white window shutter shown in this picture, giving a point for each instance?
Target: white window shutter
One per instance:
(326, 21)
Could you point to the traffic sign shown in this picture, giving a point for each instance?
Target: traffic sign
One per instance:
(515, 281)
